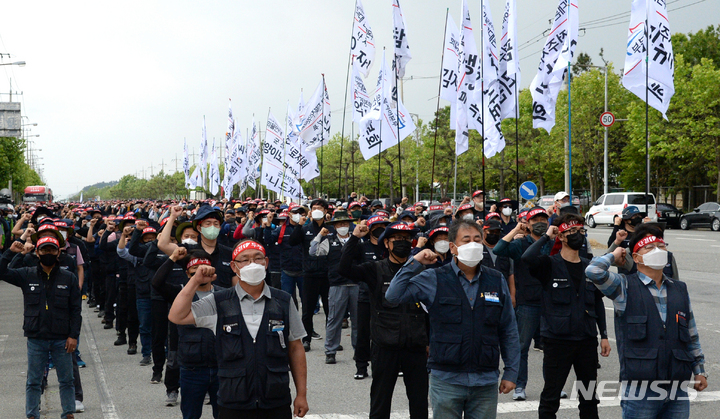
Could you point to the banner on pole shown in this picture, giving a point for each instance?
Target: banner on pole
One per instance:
(362, 44)
(316, 126)
(509, 65)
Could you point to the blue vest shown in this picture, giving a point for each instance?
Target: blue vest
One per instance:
(253, 373)
(464, 338)
(567, 313)
(648, 348)
(196, 346)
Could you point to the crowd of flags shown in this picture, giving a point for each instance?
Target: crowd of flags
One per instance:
(480, 83)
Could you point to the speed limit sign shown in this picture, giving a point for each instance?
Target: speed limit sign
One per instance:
(607, 119)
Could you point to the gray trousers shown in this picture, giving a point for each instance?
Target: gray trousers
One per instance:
(341, 299)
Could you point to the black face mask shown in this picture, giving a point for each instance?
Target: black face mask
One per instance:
(48, 259)
(492, 239)
(575, 241)
(635, 221)
(378, 232)
(539, 229)
(401, 248)
(356, 214)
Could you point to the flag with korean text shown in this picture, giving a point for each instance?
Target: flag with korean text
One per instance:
(509, 62)
(402, 49)
(316, 126)
(186, 164)
(214, 172)
(660, 86)
(362, 44)
(493, 138)
(451, 63)
(254, 153)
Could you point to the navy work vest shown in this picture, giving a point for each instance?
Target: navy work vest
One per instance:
(567, 313)
(253, 373)
(464, 338)
(196, 346)
(528, 290)
(648, 348)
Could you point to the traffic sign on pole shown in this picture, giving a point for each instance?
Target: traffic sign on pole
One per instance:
(607, 119)
(528, 190)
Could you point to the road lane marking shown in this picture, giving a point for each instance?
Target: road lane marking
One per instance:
(106, 403)
(3, 341)
(518, 407)
(697, 240)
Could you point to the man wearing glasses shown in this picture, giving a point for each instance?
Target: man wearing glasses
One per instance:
(571, 312)
(258, 335)
(655, 328)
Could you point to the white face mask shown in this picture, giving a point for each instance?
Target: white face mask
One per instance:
(507, 211)
(655, 259)
(468, 217)
(63, 233)
(343, 231)
(190, 242)
(442, 246)
(317, 215)
(296, 218)
(252, 274)
(470, 254)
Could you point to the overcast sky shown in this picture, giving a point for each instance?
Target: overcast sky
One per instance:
(115, 87)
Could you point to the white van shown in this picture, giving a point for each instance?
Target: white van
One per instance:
(609, 205)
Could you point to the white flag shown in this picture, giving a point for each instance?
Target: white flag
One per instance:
(660, 84)
(493, 138)
(300, 116)
(229, 145)
(316, 126)
(203, 154)
(186, 164)
(509, 65)
(402, 49)
(254, 154)
(274, 175)
(195, 178)
(236, 165)
(451, 63)
(362, 44)
(469, 73)
(379, 127)
(558, 52)
(361, 99)
(214, 172)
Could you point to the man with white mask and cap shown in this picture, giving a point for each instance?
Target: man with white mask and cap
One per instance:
(472, 322)
(258, 338)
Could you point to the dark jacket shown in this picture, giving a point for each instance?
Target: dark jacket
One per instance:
(53, 304)
(312, 265)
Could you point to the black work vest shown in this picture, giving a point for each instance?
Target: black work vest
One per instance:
(567, 313)
(648, 348)
(464, 338)
(196, 346)
(501, 264)
(253, 373)
(528, 290)
(395, 325)
(47, 300)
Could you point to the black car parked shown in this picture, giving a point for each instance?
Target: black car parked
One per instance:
(669, 215)
(706, 215)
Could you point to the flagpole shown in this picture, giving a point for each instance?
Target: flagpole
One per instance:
(352, 152)
(437, 110)
(322, 133)
(517, 143)
(285, 141)
(347, 82)
(647, 106)
(482, 92)
(569, 70)
(382, 96)
(397, 109)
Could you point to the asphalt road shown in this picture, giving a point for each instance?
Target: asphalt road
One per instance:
(117, 387)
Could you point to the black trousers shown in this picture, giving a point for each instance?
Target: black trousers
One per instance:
(558, 357)
(362, 349)
(284, 412)
(98, 278)
(313, 287)
(387, 363)
(127, 315)
(275, 280)
(172, 370)
(111, 291)
(159, 313)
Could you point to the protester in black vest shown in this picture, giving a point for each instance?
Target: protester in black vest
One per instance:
(572, 311)
(315, 268)
(492, 232)
(53, 307)
(254, 353)
(196, 346)
(398, 331)
(471, 323)
(528, 290)
(657, 338)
